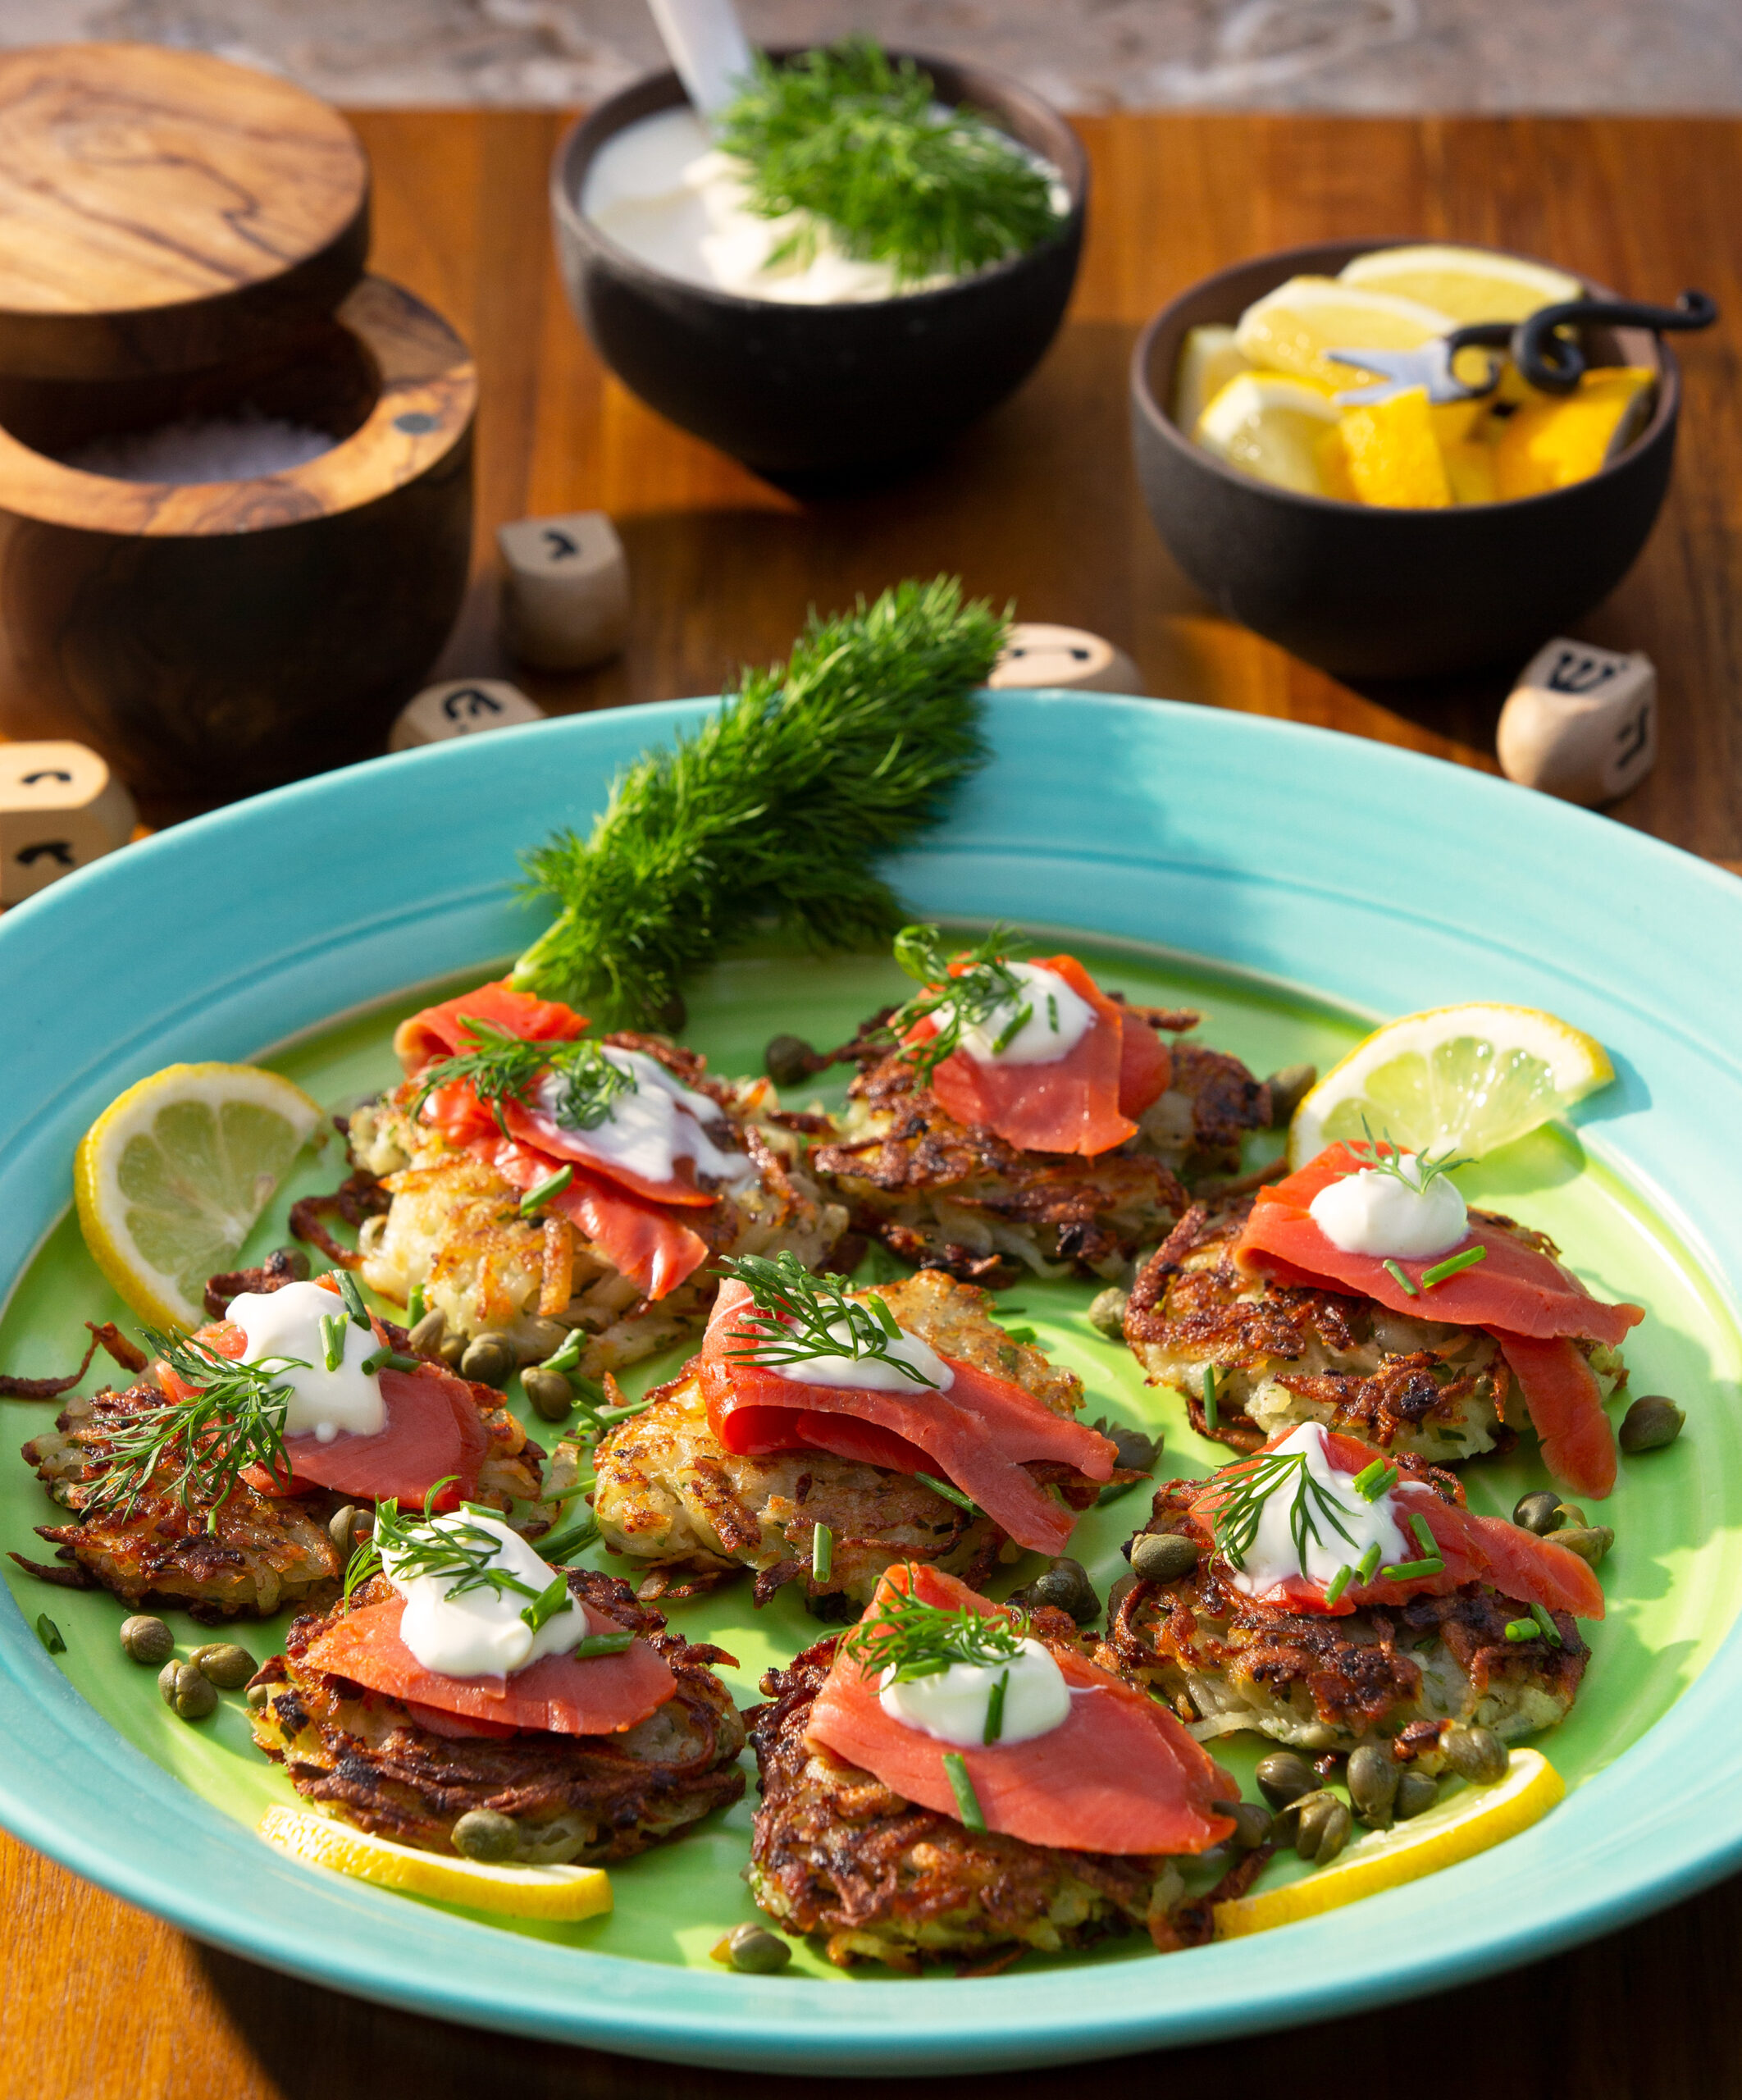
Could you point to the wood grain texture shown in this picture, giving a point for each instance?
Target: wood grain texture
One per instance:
(99, 2003)
(159, 207)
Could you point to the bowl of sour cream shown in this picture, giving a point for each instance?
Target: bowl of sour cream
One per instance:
(809, 362)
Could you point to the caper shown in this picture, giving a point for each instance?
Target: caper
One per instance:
(1540, 1513)
(228, 1666)
(1065, 1586)
(1289, 1089)
(187, 1691)
(1319, 1825)
(1570, 1513)
(146, 1639)
(1476, 1754)
(751, 1950)
(489, 1360)
(1417, 1791)
(426, 1337)
(485, 1833)
(1164, 1556)
(257, 1695)
(1106, 1313)
(1283, 1778)
(1651, 1422)
(453, 1349)
(539, 1339)
(1135, 1448)
(1373, 1784)
(1589, 1541)
(551, 1393)
(789, 1060)
(1118, 1593)
(1251, 1821)
(348, 1528)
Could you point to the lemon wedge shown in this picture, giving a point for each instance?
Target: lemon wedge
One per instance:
(1290, 330)
(1470, 283)
(547, 1892)
(1468, 1823)
(1208, 360)
(1393, 456)
(1472, 1077)
(1553, 442)
(172, 1177)
(1272, 427)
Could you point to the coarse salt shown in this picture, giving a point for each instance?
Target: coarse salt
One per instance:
(244, 447)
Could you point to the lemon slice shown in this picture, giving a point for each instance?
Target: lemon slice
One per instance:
(1472, 1077)
(1272, 427)
(1207, 361)
(1468, 1823)
(172, 1177)
(1290, 330)
(1470, 283)
(548, 1892)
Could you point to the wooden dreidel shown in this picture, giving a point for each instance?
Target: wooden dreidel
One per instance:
(1039, 654)
(60, 808)
(1581, 722)
(461, 707)
(565, 599)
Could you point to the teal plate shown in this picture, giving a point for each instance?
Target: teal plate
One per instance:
(1292, 881)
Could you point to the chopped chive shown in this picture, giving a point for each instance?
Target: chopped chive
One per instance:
(1399, 1278)
(542, 1192)
(950, 1494)
(569, 1354)
(565, 1544)
(1212, 1417)
(389, 1359)
(1521, 1629)
(547, 1604)
(602, 1643)
(1339, 1583)
(885, 1318)
(994, 1709)
(333, 1326)
(822, 1552)
(1408, 1571)
(49, 1634)
(1022, 1335)
(1117, 1489)
(967, 1801)
(1052, 1011)
(1424, 1537)
(1368, 1561)
(1004, 1309)
(1012, 1030)
(1374, 1481)
(1550, 1631)
(1452, 1266)
(353, 1300)
(566, 1493)
(415, 1306)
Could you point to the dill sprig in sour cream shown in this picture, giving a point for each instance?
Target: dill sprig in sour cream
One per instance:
(960, 1677)
(1404, 1207)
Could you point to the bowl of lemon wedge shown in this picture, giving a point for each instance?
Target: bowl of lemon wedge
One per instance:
(1402, 534)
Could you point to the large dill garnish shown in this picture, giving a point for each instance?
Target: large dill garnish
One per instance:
(804, 1316)
(774, 809)
(857, 140)
(983, 985)
(909, 1638)
(1247, 1487)
(232, 1416)
(506, 1067)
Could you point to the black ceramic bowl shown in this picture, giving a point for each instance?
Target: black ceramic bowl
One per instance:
(809, 390)
(1383, 593)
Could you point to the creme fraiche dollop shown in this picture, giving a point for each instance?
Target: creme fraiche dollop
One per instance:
(287, 1323)
(1345, 1524)
(952, 1703)
(1042, 1023)
(655, 1122)
(482, 1631)
(1392, 1214)
(878, 1374)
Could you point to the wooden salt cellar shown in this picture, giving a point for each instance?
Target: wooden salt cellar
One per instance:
(180, 237)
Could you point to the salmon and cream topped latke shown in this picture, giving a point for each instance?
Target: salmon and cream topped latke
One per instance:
(530, 1180)
(828, 1433)
(953, 1777)
(1014, 1116)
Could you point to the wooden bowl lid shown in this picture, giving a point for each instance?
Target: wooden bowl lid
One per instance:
(161, 210)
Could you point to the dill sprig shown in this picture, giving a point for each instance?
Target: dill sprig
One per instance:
(506, 1067)
(774, 808)
(802, 1316)
(908, 1638)
(984, 985)
(1380, 1155)
(232, 1417)
(857, 141)
(1247, 1488)
(453, 1549)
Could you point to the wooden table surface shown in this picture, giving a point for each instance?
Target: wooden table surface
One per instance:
(97, 2002)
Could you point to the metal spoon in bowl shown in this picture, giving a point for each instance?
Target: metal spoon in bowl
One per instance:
(709, 53)
(1551, 362)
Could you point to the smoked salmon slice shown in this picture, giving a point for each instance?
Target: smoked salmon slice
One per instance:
(1072, 1105)
(439, 1031)
(601, 1696)
(1119, 1775)
(643, 1241)
(979, 1435)
(1566, 1403)
(1515, 1288)
(1475, 1549)
(545, 1135)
